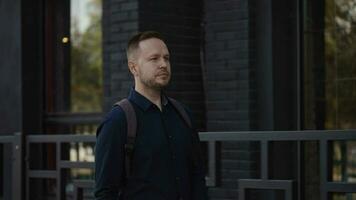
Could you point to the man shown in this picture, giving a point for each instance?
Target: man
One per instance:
(164, 164)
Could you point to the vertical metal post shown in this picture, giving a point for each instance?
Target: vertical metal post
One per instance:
(323, 146)
(264, 160)
(288, 192)
(59, 171)
(17, 167)
(264, 65)
(241, 193)
(7, 176)
(212, 162)
(299, 169)
(27, 169)
(299, 65)
(299, 92)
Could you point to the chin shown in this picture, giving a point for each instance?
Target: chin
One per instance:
(162, 85)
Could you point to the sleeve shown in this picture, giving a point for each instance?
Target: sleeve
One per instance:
(199, 189)
(110, 156)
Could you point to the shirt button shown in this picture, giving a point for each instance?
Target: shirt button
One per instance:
(170, 137)
(177, 178)
(173, 157)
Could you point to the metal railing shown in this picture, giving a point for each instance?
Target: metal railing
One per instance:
(14, 165)
(264, 138)
(76, 123)
(60, 164)
(213, 139)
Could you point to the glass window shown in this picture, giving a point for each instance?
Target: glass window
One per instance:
(329, 82)
(73, 66)
(344, 161)
(86, 55)
(329, 67)
(343, 196)
(73, 87)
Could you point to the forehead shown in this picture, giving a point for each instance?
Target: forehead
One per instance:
(153, 46)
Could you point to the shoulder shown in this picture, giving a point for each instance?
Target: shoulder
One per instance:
(114, 119)
(111, 133)
(187, 109)
(184, 108)
(115, 114)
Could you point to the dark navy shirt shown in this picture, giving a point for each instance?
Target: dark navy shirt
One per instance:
(162, 162)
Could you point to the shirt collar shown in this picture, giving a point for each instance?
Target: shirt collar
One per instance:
(142, 101)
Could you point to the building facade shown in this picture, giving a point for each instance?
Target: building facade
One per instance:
(241, 65)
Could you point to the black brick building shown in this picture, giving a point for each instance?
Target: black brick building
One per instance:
(241, 65)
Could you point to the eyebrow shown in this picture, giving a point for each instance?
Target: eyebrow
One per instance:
(157, 54)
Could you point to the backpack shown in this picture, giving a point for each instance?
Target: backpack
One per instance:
(131, 120)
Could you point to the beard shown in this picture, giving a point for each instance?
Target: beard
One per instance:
(154, 84)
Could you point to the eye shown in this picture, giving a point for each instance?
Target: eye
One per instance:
(154, 58)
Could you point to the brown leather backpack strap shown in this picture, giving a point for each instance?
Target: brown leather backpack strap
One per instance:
(182, 112)
(197, 159)
(131, 131)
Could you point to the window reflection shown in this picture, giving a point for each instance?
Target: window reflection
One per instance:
(330, 79)
(81, 152)
(343, 196)
(86, 56)
(344, 161)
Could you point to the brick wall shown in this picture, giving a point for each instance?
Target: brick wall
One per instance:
(229, 83)
(120, 21)
(180, 24)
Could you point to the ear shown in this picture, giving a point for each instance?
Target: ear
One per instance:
(132, 67)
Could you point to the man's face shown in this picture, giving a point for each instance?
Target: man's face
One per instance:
(152, 63)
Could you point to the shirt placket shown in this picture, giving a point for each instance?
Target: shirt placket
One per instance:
(172, 151)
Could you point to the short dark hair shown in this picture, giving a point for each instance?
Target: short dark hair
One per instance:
(133, 43)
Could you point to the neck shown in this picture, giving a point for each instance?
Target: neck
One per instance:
(151, 94)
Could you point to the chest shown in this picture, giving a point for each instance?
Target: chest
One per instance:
(162, 132)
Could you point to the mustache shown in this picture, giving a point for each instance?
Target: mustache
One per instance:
(163, 72)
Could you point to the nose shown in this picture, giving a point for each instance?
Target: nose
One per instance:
(163, 63)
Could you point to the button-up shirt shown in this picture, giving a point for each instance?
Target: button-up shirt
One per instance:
(162, 162)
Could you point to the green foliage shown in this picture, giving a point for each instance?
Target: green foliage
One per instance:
(86, 63)
(340, 40)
